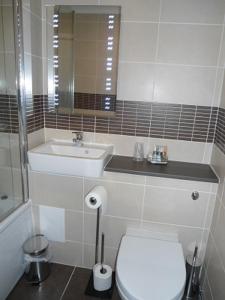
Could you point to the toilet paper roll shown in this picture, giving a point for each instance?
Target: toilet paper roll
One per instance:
(102, 282)
(97, 197)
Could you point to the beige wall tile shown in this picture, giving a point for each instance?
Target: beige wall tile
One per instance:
(191, 11)
(218, 163)
(207, 290)
(36, 219)
(124, 200)
(187, 236)
(143, 10)
(36, 138)
(122, 177)
(37, 84)
(184, 85)
(174, 207)
(138, 42)
(215, 257)
(135, 81)
(57, 191)
(189, 44)
(89, 256)
(36, 36)
(74, 225)
(216, 275)
(35, 7)
(68, 253)
(113, 228)
(219, 236)
(179, 184)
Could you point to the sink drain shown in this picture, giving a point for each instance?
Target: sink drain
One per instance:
(4, 197)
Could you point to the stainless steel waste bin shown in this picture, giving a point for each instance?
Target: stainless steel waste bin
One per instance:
(36, 251)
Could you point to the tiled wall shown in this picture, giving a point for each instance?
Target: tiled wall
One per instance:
(170, 71)
(149, 202)
(33, 60)
(171, 65)
(215, 255)
(35, 113)
(220, 130)
(8, 114)
(147, 119)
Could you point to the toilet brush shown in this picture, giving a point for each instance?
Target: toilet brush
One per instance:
(189, 287)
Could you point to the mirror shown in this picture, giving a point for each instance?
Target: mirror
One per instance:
(82, 50)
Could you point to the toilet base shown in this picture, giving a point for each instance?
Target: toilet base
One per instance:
(122, 296)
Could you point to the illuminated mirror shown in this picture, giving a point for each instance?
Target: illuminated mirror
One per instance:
(82, 50)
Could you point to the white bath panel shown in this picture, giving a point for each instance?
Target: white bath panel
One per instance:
(52, 223)
(14, 231)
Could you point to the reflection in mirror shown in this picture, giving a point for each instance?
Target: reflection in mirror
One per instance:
(82, 45)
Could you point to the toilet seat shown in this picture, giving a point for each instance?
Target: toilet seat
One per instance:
(150, 269)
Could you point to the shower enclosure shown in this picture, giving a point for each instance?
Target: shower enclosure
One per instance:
(13, 171)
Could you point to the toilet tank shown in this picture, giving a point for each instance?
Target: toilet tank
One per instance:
(152, 234)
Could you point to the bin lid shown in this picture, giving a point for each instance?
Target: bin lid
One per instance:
(35, 245)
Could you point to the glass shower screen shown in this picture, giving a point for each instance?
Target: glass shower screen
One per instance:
(11, 194)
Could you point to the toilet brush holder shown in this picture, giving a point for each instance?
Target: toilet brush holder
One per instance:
(193, 267)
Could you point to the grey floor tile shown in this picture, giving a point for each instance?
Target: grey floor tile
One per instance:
(50, 289)
(78, 284)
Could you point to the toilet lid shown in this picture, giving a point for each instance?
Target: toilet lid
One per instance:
(150, 269)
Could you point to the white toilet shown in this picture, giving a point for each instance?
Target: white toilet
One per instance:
(150, 267)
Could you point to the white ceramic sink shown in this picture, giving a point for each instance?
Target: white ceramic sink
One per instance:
(64, 157)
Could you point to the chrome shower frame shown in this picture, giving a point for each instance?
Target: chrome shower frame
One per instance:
(20, 93)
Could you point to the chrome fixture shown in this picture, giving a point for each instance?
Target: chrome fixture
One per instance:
(20, 93)
(195, 195)
(159, 155)
(77, 140)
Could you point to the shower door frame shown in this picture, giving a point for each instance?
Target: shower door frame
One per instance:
(20, 95)
(21, 102)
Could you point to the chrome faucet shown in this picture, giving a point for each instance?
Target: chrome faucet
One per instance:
(77, 140)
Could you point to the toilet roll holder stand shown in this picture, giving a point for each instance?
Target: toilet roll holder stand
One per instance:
(97, 233)
(90, 290)
(93, 201)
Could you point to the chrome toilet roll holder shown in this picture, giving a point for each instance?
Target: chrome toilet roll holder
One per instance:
(93, 201)
(97, 233)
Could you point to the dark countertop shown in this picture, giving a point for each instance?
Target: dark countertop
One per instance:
(174, 169)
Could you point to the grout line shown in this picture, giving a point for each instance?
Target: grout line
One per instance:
(149, 221)
(216, 86)
(143, 203)
(170, 64)
(156, 53)
(209, 285)
(171, 23)
(68, 283)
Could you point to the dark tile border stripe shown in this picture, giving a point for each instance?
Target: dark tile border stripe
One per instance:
(137, 118)
(134, 118)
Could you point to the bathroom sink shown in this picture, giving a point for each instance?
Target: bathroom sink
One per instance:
(65, 157)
